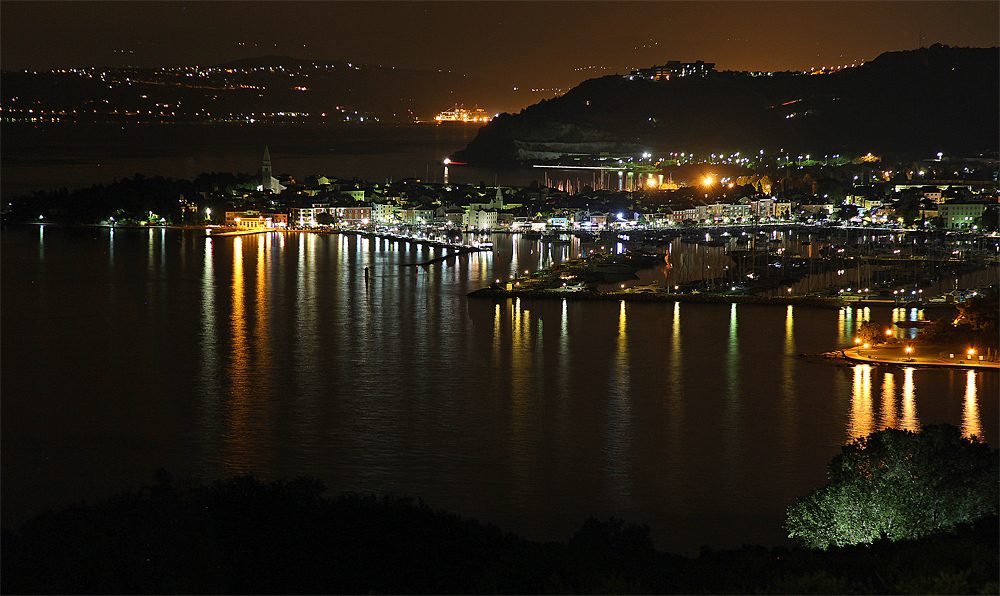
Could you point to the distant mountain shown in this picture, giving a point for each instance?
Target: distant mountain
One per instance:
(268, 85)
(910, 102)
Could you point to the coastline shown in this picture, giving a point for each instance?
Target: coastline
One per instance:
(832, 303)
(891, 355)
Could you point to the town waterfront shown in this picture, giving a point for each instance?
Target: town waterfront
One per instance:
(132, 349)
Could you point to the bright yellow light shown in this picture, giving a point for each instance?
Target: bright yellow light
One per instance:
(707, 181)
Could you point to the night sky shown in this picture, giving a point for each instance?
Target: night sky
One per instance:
(536, 44)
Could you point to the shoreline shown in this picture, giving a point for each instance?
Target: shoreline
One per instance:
(831, 303)
(706, 298)
(915, 361)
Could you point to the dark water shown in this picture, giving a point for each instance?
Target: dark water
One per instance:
(128, 350)
(51, 156)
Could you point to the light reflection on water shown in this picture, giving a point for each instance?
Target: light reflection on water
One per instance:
(910, 421)
(618, 451)
(888, 402)
(861, 422)
(866, 417)
(970, 407)
(699, 419)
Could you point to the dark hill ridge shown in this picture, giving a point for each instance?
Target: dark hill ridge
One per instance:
(911, 102)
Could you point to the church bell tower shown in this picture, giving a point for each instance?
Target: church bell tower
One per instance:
(265, 171)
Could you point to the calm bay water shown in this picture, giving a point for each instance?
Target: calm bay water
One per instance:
(52, 156)
(129, 350)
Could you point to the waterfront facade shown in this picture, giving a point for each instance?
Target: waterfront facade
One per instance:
(960, 216)
(255, 220)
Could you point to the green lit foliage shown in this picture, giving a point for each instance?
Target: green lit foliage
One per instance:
(899, 485)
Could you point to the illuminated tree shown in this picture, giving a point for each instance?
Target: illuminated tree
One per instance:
(870, 333)
(981, 311)
(899, 485)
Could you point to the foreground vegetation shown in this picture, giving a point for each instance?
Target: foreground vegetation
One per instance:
(899, 485)
(245, 536)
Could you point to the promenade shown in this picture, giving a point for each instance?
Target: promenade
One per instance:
(920, 355)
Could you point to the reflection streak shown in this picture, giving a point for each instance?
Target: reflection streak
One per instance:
(209, 344)
(678, 499)
(788, 399)
(888, 402)
(618, 454)
(731, 416)
(861, 418)
(238, 428)
(970, 410)
(521, 404)
(910, 421)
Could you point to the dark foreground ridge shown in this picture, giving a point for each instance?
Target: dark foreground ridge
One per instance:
(244, 536)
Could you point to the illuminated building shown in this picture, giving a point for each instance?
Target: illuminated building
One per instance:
(255, 220)
(267, 181)
(460, 114)
(957, 215)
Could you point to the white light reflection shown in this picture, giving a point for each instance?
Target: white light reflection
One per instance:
(618, 450)
(971, 425)
(496, 335)
(788, 395)
(209, 364)
(732, 414)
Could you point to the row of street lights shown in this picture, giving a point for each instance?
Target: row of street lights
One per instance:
(970, 353)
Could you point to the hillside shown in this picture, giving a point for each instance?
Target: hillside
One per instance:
(279, 87)
(912, 102)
